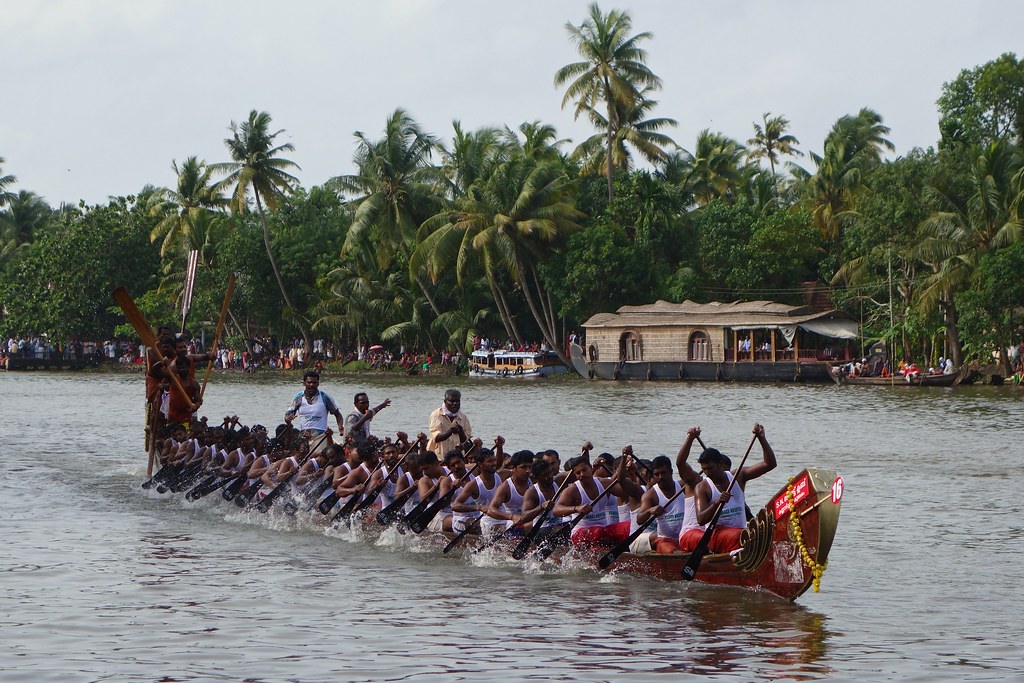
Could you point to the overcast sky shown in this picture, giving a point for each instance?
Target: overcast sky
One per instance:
(99, 96)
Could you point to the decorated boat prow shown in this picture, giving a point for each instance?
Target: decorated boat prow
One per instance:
(785, 547)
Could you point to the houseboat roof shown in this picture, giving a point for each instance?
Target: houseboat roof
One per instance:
(738, 315)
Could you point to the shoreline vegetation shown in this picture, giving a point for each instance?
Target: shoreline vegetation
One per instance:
(511, 232)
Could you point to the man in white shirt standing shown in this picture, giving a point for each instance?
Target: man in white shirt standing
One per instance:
(312, 407)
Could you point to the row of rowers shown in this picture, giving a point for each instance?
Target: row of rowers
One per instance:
(498, 493)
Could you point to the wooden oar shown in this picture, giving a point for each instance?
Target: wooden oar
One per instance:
(190, 281)
(220, 328)
(268, 499)
(622, 547)
(475, 524)
(692, 564)
(565, 533)
(389, 514)
(349, 508)
(418, 522)
(155, 409)
(138, 322)
(524, 545)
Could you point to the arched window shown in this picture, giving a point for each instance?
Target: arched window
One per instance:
(630, 347)
(700, 346)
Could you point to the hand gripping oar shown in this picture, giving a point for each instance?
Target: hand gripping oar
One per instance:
(268, 499)
(565, 533)
(352, 504)
(138, 322)
(419, 521)
(622, 547)
(746, 508)
(690, 570)
(389, 514)
(220, 328)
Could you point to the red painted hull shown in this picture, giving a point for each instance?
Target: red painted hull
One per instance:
(770, 559)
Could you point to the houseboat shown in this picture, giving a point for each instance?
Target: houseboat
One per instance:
(501, 363)
(741, 340)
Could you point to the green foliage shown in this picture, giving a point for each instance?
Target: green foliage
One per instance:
(62, 285)
(992, 312)
(984, 104)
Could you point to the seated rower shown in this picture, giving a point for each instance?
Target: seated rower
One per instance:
(507, 503)
(718, 484)
(671, 518)
(476, 495)
(355, 482)
(536, 499)
(599, 526)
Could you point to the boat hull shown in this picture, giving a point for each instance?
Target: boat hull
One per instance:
(922, 381)
(770, 559)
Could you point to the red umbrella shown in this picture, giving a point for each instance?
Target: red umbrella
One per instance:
(376, 347)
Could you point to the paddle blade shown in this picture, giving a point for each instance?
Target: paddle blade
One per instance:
(327, 503)
(690, 570)
(608, 558)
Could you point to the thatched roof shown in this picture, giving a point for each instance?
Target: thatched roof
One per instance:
(735, 314)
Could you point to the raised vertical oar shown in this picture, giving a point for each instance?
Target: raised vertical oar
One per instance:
(190, 282)
(692, 564)
(220, 328)
(142, 328)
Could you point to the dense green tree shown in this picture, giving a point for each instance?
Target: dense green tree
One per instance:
(395, 188)
(523, 212)
(985, 103)
(613, 72)
(629, 253)
(853, 148)
(62, 284)
(992, 310)
(256, 167)
(966, 227)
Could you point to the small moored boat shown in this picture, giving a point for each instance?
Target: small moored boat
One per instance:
(501, 363)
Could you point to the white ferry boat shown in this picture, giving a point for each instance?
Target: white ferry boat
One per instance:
(501, 363)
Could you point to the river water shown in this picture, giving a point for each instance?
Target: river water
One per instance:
(102, 580)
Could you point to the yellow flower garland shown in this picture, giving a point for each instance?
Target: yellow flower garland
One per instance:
(817, 570)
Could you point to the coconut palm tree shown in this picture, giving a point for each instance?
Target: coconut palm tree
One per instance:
(5, 182)
(852, 148)
(967, 226)
(395, 188)
(613, 71)
(716, 168)
(26, 214)
(635, 128)
(523, 211)
(257, 168)
(179, 210)
(771, 140)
